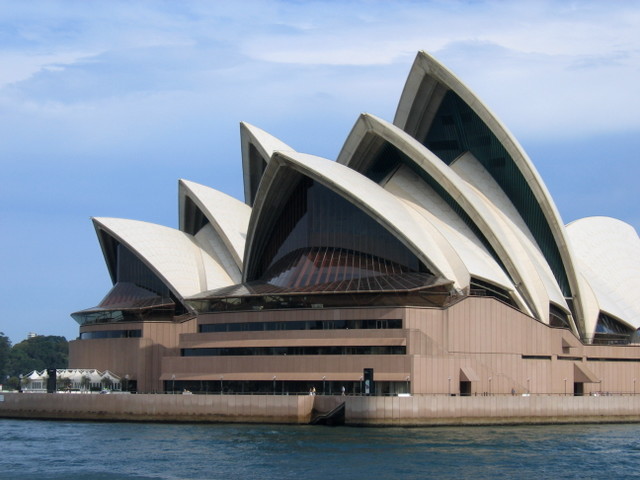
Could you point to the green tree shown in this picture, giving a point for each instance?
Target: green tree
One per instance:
(85, 382)
(38, 353)
(63, 383)
(107, 383)
(13, 383)
(5, 348)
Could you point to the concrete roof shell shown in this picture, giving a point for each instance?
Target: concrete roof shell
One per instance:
(608, 254)
(211, 243)
(413, 230)
(228, 216)
(265, 144)
(416, 193)
(485, 215)
(472, 172)
(172, 255)
(426, 85)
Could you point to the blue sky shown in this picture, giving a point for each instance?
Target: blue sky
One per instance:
(105, 105)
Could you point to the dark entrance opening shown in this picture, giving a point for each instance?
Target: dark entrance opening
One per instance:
(578, 389)
(51, 381)
(465, 389)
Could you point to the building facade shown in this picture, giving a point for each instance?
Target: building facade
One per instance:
(428, 258)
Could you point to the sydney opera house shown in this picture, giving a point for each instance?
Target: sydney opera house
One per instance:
(428, 258)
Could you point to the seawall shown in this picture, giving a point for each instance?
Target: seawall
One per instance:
(159, 408)
(492, 410)
(427, 410)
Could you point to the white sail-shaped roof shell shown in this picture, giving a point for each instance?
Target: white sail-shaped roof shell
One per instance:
(406, 185)
(256, 142)
(413, 230)
(470, 170)
(608, 255)
(426, 86)
(489, 220)
(228, 217)
(174, 256)
(411, 189)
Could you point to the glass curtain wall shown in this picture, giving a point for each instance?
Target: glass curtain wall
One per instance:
(321, 237)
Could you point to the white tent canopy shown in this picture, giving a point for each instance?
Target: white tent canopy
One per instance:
(72, 379)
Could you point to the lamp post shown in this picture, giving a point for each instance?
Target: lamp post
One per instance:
(528, 385)
(449, 386)
(361, 380)
(274, 384)
(565, 386)
(490, 378)
(173, 383)
(221, 379)
(408, 378)
(323, 384)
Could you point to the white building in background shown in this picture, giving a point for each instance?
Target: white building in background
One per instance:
(72, 380)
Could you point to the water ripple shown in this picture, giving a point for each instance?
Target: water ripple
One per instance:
(60, 450)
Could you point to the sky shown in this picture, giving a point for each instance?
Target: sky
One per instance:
(105, 105)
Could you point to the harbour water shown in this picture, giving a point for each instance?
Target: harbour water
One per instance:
(52, 450)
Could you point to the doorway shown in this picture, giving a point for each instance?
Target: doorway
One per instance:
(465, 388)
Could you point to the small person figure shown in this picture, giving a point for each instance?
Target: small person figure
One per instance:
(343, 390)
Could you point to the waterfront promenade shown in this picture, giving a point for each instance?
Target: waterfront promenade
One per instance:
(421, 410)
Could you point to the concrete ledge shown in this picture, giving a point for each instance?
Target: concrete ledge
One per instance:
(289, 409)
(159, 408)
(498, 410)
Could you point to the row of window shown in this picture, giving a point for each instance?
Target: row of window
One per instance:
(437, 296)
(266, 351)
(111, 334)
(577, 359)
(302, 325)
(286, 387)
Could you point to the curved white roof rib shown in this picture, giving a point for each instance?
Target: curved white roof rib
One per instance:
(472, 171)
(608, 254)
(590, 305)
(228, 217)
(211, 243)
(408, 187)
(424, 90)
(257, 148)
(172, 255)
(413, 230)
(370, 131)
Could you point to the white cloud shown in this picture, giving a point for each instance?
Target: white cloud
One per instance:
(106, 104)
(546, 68)
(20, 66)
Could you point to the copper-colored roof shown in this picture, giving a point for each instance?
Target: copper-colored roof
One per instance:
(403, 282)
(127, 296)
